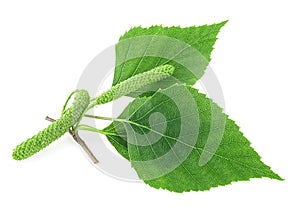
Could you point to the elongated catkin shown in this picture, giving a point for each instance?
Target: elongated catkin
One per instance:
(55, 130)
(134, 83)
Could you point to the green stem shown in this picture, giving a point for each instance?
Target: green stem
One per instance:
(67, 101)
(100, 117)
(92, 129)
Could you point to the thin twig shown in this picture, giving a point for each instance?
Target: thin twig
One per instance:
(49, 119)
(79, 141)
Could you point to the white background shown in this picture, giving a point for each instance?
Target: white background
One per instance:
(44, 47)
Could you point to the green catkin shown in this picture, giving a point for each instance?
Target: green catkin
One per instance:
(134, 83)
(55, 130)
(71, 116)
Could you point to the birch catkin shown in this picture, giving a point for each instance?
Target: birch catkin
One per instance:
(54, 131)
(134, 83)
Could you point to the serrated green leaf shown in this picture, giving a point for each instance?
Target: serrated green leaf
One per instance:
(165, 145)
(187, 49)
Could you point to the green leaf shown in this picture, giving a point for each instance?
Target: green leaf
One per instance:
(187, 49)
(179, 140)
